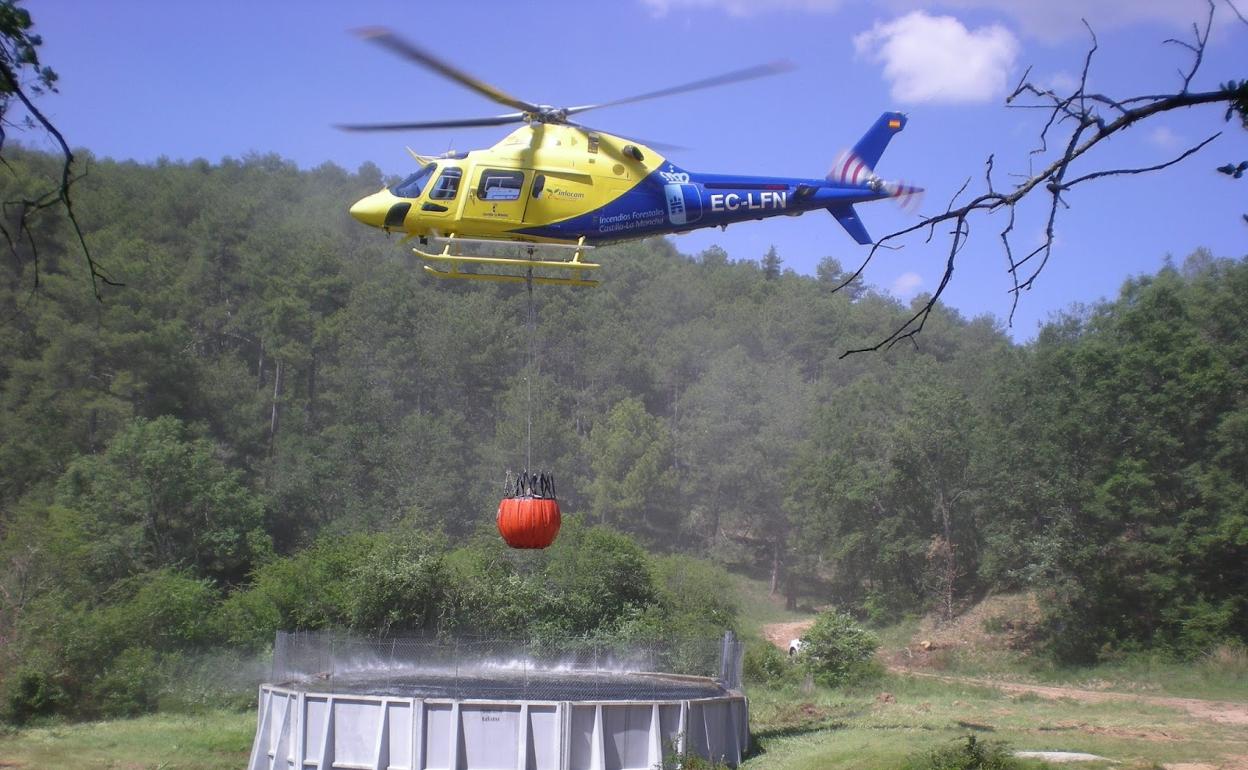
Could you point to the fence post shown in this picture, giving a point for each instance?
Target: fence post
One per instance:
(726, 663)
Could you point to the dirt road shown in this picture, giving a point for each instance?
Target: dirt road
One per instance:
(780, 634)
(1222, 712)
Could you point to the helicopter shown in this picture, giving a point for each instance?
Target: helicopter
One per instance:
(561, 187)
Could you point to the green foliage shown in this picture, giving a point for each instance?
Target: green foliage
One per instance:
(403, 584)
(32, 691)
(765, 664)
(970, 754)
(158, 497)
(837, 651)
(19, 51)
(277, 424)
(634, 483)
(129, 686)
(676, 761)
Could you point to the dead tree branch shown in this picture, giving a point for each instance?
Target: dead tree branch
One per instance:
(1079, 114)
(60, 194)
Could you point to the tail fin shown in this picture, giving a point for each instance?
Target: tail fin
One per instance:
(871, 146)
(852, 224)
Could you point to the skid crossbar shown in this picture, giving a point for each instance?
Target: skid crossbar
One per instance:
(447, 256)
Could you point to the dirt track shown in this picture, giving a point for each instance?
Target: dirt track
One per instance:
(780, 634)
(1222, 712)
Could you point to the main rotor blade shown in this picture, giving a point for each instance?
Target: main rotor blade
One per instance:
(749, 73)
(661, 146)
(411, 52)
(497, 120)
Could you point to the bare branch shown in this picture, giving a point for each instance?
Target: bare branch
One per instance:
(60, 194)
(1236, 11)
(1087, 129)
(1124, 171)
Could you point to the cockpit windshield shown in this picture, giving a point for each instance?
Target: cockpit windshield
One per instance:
(412, 186)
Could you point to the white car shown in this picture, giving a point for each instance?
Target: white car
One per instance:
(795, 646)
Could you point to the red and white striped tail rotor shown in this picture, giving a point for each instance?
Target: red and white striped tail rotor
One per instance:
(848, 168)
(907, 196)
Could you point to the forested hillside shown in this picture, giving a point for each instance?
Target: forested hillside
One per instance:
(280, 422)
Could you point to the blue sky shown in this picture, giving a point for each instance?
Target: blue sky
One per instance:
(141, 79)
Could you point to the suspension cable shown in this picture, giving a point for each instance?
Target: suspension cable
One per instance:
(528, 375)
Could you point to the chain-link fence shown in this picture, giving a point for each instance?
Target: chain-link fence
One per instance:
(547, 669)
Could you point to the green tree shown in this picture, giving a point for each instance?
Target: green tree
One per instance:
(771, 264)
(634, 486)
(159, 497)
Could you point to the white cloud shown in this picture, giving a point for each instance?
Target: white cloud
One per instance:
(906, 285)
(937, 59)
(1164, 138)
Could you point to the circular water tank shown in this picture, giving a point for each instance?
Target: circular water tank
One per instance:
(440, 720)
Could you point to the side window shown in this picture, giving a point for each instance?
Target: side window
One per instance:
(539, 184)
(447, 186)
(500, 185)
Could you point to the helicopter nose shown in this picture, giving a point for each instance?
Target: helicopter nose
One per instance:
(373, 210)
(369, 211)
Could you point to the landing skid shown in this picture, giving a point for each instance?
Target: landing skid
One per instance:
(455, 261)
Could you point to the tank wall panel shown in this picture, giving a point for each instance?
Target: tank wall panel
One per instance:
(695, 738)
(543, 748)
(669, 719)
(627, 743)
(491, 735)
(438, 736)
(315, 712)
(400, 715)
(277, 706)
(721, 736)
(355, 731)
(580, 740)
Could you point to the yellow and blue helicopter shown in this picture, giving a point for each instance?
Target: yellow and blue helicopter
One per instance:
(553, 184)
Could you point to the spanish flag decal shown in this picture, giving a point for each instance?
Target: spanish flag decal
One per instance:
(894, 123)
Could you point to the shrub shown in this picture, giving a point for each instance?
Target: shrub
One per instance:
(31, 691)
(168, 611)
(764, 663)
(130, 685)
(837, 651)
(693, 596)
(972, 754)
(400, 586)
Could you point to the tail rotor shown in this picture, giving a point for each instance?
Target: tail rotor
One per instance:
(849, 169)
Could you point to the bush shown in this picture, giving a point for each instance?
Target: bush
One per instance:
(837, 651)
(973, 754)
(693, 596)
(130, 685)
(168, 611)
(400, 586)
(32, 691)
(764, 664)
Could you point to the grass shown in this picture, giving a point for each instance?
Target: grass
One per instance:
(1221, 675)
(866, 729)
(213, 740)
(977, 644)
